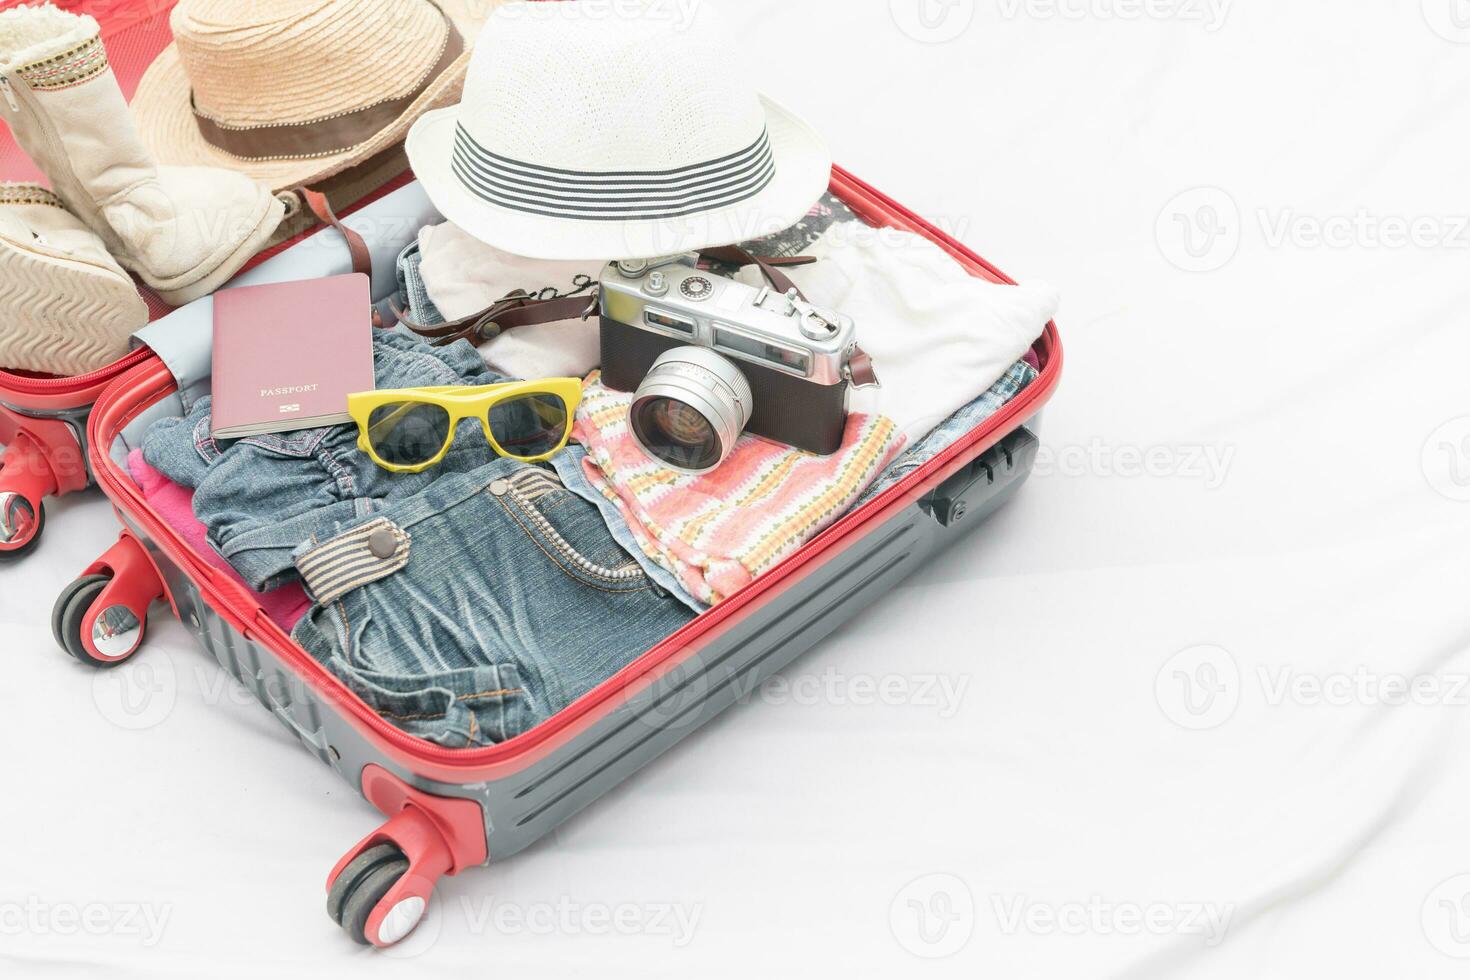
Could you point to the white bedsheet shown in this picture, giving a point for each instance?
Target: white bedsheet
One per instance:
(1143, 724)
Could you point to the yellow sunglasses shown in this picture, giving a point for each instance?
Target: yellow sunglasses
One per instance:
(409, 430)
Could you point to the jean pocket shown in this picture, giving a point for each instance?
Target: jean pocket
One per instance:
(569, 531)
(289, 445)
(475, 706)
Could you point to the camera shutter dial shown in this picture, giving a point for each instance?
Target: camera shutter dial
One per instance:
(697, 288)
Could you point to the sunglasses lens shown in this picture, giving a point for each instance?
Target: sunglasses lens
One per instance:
(408, 433)
(531, 425)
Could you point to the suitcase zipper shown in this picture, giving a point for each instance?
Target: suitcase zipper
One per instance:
(25, 384)
(9, 95)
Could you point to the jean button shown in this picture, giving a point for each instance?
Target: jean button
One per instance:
(500, 488)
(383, 543)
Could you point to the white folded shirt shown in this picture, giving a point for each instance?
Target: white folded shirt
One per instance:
(938, 336)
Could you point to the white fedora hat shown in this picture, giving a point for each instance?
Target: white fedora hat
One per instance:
(597, 130)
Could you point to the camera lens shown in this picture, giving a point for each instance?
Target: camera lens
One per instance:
(691, 409)
(677, 434)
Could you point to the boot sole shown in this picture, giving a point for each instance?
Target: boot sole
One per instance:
(226, 270)
(62, 316)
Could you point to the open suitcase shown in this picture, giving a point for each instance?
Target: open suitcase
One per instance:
(450, 809)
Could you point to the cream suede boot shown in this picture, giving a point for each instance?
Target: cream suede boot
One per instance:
(66, 306)
(183, 230)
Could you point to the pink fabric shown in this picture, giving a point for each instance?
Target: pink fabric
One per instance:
(720, 530)
(175, 504)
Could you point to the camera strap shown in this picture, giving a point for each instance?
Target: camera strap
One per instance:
(521, 309)
(738, 257)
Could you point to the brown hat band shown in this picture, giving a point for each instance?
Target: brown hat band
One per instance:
(323, 137)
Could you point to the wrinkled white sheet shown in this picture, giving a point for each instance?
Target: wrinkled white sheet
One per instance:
(1145, 723)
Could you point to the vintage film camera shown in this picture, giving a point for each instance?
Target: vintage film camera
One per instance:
(710, 358)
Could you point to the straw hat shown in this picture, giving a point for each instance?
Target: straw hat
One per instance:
(294, 91)
(589, 132)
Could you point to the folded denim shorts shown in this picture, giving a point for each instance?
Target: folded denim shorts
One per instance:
(476, 609)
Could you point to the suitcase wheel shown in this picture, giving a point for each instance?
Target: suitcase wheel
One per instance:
(363, 884)
(116, 632)
(380, 890)
(21, 523)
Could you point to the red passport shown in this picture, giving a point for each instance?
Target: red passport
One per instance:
(287, 355)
